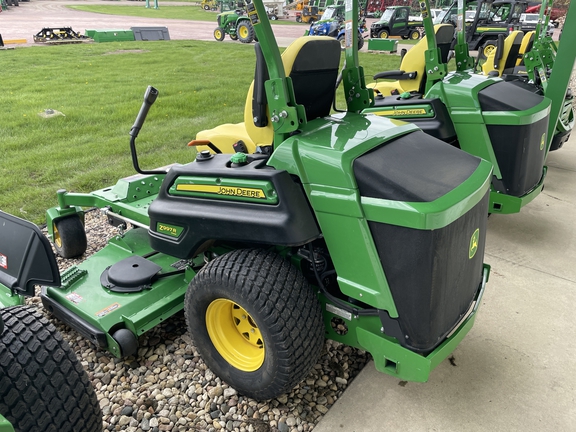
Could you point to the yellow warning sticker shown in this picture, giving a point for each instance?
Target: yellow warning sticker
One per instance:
(107, 310)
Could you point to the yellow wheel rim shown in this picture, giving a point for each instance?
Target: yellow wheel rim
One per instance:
(56, 235)
(488, 49)
(235, 335)
(218, 34)
(414, 36)
(243, 32)
(383, 35)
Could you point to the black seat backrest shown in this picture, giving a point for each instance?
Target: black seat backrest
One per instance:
(444, 36)
(312, 62)
(314, 72)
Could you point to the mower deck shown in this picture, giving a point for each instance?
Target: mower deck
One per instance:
(97, 312)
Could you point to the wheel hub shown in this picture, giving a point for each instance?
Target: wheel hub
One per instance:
(235, 335)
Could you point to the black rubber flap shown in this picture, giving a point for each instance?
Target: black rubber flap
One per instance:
(521, 154)
(132, 274)
(26, 257)
(505, 96)
(433, 275)
(413, 168)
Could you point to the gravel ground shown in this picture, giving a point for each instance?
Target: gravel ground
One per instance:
(168, 387)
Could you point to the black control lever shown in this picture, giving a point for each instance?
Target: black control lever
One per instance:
(149, 98)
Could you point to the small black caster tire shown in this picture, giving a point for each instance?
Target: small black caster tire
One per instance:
(127, 340)
(69, 237)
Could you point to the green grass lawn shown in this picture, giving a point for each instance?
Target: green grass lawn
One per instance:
(184, 12)
(99, 89)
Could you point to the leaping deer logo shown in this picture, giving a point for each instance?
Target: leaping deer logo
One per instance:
(474, 243)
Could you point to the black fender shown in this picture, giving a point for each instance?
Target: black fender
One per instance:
(26, 256)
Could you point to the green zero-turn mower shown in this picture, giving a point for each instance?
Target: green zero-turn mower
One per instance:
(352, 227)
(510, 124)
(528, 59)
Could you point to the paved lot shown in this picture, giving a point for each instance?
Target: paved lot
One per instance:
(30, 17)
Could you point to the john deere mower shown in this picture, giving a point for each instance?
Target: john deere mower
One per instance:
(528, 59)
(508, 124)
(351, 226)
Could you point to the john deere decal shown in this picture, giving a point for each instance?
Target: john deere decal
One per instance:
(474, 243)
(224, 190)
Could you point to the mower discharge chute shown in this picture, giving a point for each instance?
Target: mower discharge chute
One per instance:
(503, 122)
(338, 226)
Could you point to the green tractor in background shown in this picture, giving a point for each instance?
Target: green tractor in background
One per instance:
(235, 24)
(335, 226)
(397, 21)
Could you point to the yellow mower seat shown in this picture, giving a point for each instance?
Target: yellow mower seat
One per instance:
(312, 62)
(412, 73)
(525, 46)
(503, 59)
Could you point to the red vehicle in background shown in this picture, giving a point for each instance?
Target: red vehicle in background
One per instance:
(554, 15)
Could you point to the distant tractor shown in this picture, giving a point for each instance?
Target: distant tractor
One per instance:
(236, 25)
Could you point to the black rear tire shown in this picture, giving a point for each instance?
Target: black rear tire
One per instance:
(43, 387)
(254, 303)
(245, 32)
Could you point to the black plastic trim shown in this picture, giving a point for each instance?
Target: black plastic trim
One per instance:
(290, 222)
(26, 256)
(90, 332)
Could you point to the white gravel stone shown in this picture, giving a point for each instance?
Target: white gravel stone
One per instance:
(167, 386)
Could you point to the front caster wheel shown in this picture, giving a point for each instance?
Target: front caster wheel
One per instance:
(255, 321)
(69, 237)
